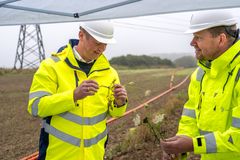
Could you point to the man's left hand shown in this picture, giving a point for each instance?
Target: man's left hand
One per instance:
(120, 94)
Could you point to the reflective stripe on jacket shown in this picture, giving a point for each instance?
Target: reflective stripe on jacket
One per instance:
(71, 130)
(211, 116)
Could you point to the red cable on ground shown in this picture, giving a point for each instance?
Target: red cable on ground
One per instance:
(148, 101)
(34, 156)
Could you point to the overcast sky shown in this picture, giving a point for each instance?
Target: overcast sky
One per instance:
(142, 35)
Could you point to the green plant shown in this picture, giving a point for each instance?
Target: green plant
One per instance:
(155, 126)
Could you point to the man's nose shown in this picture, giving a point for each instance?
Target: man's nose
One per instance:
(193, 42)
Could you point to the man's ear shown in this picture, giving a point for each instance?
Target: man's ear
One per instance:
(222, 39)
(80, 35)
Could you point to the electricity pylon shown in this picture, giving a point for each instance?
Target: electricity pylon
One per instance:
(30, 51)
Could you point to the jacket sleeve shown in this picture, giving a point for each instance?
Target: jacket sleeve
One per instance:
(116, 111)
(222, 142)
(43, 97)
(188, 125)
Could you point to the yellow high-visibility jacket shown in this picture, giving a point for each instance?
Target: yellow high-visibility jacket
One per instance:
(72, 131)
(211, 116)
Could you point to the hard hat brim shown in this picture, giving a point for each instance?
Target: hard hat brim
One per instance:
(104, 40)
(202, 27)
(189, 31)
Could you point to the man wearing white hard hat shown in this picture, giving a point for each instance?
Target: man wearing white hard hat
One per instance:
(210, 121)
(74, 91)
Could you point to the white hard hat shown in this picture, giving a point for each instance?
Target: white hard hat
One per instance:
(102, 31)
(209, 19)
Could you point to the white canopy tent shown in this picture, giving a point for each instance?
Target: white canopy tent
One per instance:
(20, 12)
(14, 12)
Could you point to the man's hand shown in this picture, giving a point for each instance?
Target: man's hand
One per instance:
(177, 144)
(86, 88)
(120, 94)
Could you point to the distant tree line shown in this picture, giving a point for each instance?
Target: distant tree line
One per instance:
(133, 61)
(186, 62)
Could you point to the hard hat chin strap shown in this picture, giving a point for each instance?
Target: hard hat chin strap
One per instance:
(233, 33)
(236, 35)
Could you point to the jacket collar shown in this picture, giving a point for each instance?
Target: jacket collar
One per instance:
(228, 60)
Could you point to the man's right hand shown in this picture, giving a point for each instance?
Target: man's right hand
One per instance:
(86, 88)
(177, 144)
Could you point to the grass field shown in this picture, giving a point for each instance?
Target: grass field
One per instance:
(20, 132)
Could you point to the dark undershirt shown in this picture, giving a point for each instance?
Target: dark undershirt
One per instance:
(86, 67)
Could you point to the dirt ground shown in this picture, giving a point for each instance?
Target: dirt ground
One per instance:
(20, 131)
(148, 148)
